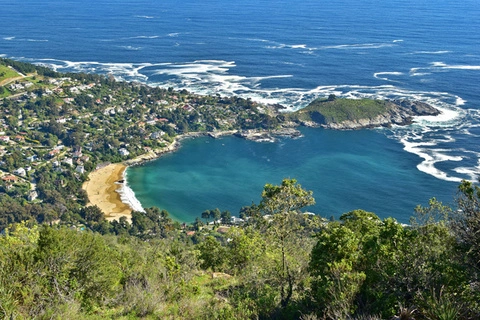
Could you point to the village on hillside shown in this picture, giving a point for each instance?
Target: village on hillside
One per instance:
(56, 128)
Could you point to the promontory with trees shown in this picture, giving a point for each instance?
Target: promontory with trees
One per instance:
(62, 259)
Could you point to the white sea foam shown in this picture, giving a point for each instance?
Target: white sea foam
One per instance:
(36, 40)
(443, 65)
(145, 17)
(131, 48)
(144, 37)
(460, 101)
(9, 38)
(381, 75)
(445, 116)
(299, 46)
(360, 46)
(431, 52)
(128, 196)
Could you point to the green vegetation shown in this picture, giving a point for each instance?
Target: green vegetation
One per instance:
(7, 73)
(60, 259)
(336, 110)
(280, 264)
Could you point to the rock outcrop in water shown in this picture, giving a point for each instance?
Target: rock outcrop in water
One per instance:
(348, 114)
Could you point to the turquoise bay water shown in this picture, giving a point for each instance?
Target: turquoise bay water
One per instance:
(346, 170)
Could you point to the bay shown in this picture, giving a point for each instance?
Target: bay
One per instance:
(346, 170)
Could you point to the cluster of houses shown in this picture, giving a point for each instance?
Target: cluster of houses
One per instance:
(21, 86)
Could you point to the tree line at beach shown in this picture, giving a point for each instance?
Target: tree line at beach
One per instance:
(280, 264)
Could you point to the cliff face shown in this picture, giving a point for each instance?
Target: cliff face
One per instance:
(395, 112)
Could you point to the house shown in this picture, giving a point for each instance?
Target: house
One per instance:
(9, 178)
(234, 220)
(157, 134)
(4, 138)
(20, 172)
(80, 169)
(123, 152)
(16, 86)
(68, 161)
(32, 195)
(53, 153)
(78, 153)
(188, 108)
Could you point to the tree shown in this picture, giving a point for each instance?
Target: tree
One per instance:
(206, 215)
(197, 224)
(283, 203)
(226, 216)
(466, 223)
(365, 265)
(212, 254)
(215, 215)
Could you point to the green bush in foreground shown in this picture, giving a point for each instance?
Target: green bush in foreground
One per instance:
(281, 265)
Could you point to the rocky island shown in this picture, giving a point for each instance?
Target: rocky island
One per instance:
(345, 114)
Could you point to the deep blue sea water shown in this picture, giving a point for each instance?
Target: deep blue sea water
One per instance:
(285, 52)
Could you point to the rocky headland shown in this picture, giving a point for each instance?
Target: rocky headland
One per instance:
(350, 114)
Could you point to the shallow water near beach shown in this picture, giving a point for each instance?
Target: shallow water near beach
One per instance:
(286, 52)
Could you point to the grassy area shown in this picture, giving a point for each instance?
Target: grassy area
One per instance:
(7, 73)
(337, 110)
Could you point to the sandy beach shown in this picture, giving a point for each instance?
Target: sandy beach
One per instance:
(101, 189)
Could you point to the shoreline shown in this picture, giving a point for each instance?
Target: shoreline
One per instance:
(102, 190)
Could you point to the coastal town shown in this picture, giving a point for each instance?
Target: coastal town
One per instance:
(55, 129)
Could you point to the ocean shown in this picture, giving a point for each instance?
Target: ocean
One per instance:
(290, 53)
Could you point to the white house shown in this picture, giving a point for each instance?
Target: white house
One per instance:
(123, 152)
(32, 195)
(68, 161)
(20, 172)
